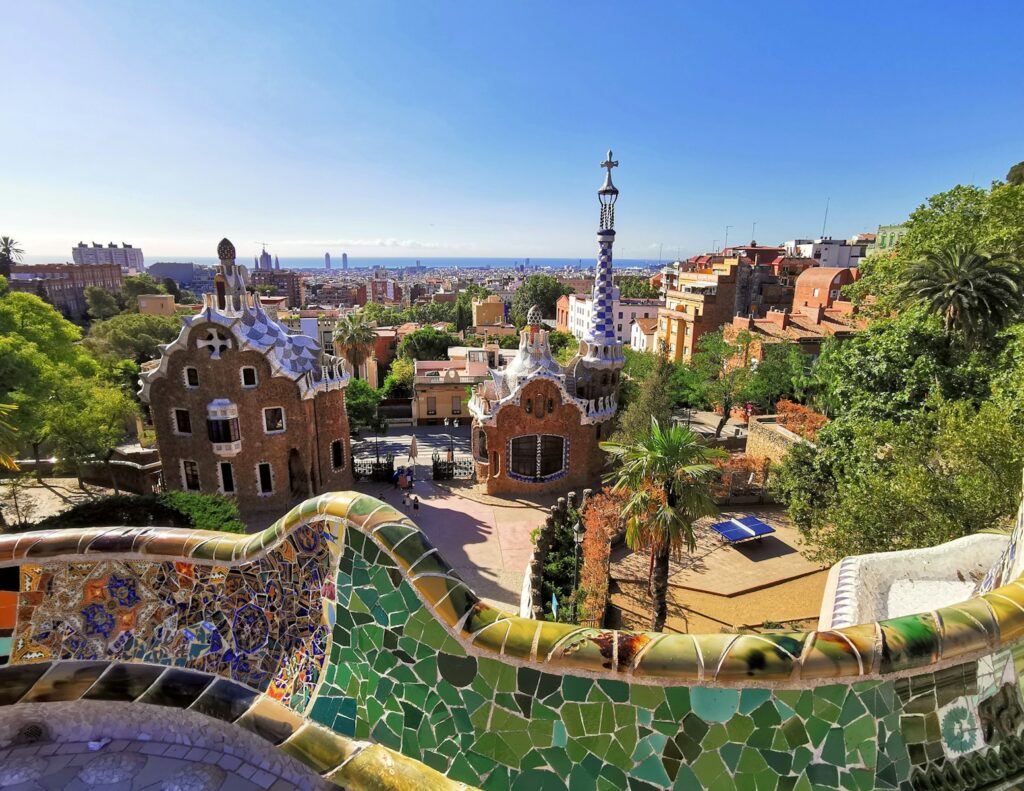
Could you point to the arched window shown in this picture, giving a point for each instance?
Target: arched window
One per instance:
(551, 405)
(529, 406)
(537, 457)
(481, 445)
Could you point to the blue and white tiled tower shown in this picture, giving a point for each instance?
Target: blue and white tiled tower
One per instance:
(596, 370)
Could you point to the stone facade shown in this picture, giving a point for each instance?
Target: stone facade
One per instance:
(242, 408)
(583, 458)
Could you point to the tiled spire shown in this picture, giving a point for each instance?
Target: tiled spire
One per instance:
(603, 345)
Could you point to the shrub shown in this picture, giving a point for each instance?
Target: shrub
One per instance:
(166, 509)
(800, 419)
(603, 519)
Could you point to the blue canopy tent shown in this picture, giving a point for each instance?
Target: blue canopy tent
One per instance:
(745, 528)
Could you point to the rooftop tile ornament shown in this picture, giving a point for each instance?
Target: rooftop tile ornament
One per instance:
(340, 636)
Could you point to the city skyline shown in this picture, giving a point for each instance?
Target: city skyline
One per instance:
(398, 131)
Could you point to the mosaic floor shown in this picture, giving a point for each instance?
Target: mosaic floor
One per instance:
(131, 766)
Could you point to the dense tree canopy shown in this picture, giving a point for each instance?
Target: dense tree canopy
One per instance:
(132, 336)
(427, 344)
(636, 287)
(927, 429)
(540, 290)
(101, 303)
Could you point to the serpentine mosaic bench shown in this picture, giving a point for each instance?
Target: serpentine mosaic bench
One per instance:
(341, 636)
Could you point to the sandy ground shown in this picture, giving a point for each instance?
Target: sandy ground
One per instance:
(50, 497)
(726, 587)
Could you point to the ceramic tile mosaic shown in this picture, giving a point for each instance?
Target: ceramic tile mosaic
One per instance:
(415, 664)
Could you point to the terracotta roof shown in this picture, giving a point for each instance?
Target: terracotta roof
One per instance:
(820, 276)
(648, 325)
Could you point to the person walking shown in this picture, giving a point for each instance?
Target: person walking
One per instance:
(415, 502)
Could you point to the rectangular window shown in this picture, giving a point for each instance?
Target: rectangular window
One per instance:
(337, 454)
(273, 419)
(431, 405)
(248, 377)
(190, 475)
(456, 405)
(182, 421)
(227, 478)
(266, 477)
(192, 377)
(620, 314)
(221, 431)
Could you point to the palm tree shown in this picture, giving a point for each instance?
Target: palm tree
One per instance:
(354, 338)
(9, 253)
(974, 293)
(667, 474)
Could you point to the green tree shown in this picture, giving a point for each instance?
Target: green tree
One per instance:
(383, 316)
(540, 290)
(136, 285)
(398, 382)
(894, 367)
(974, 294)
(171, 287)
(1015, 176)
(87, 422)
(725, 381)
(779, 375)
(354, 339)
(667, 474)
(426, 344)
(101, 303)
(10, 254)
(636, 287)
(134, 336)
(464, 305)
(874, 486)
(962, 216)
(651, 398)
(361, 402)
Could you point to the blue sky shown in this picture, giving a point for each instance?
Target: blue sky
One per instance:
(476, 128)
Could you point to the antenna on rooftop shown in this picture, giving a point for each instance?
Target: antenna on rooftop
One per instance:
(753, 231)
(825, 221)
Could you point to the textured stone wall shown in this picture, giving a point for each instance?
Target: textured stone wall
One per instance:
(311, 426)
(766, 439)
(585, 457)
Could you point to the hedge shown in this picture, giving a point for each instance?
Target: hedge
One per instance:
(166, 509)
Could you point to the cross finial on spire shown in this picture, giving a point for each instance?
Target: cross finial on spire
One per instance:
(609, 162)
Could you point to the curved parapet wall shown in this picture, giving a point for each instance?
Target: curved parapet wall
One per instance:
(343, 614)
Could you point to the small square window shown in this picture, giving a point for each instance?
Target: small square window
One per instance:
(337, 454)
(265, 476)
(192, 377)
(273, 419)
(182, 421)
(248, 377)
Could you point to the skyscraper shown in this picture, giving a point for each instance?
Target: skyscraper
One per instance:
(327, 261)
(344, 262)
(263, 263)
(277, 263)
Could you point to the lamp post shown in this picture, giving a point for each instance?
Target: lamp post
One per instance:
(451, 440)
(577, 539)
